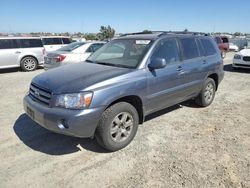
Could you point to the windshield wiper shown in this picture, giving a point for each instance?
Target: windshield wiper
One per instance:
(112, 64)
(90, 61)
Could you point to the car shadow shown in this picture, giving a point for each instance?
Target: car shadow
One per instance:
(45, 141)
(229, 68)
(42, 140)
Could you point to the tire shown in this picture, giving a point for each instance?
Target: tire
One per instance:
(28, 64)
(117, 127)
(206, 96)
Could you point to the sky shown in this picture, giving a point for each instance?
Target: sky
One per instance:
(124, 16)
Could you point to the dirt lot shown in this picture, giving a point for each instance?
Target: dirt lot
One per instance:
(182, 146)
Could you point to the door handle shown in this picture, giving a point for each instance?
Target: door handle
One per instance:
(204, 62)
(17, 52)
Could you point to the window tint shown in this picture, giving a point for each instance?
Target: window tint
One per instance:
(94, 47)
(66, 40)
(168, 50)
(208, 46)
(51, 41)
(189, 48)
(30, 43)
(8, 43)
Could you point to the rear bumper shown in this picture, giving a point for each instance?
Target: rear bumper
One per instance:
(78, 123)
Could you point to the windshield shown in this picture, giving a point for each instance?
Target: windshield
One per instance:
(70, 47)
(121, 53)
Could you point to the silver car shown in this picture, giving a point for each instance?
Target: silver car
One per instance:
(72, 53)
(23, 52)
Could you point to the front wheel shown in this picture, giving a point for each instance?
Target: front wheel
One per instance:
(207, 94)
(117, 127)
(28, 64)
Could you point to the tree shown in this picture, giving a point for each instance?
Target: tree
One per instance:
(106, 33)
(147, 31)
(90, 36)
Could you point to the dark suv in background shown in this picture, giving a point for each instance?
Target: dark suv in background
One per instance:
(127, 79)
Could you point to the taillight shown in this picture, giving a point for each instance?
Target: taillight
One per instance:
(60, 58)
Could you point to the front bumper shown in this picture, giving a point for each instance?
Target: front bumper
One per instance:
(78, 123)
(239, 63)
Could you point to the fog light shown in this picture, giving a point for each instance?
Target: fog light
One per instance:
(63, 124)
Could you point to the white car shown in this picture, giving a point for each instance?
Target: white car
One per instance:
(242, 59)
(233, 47)
(72, 53)
(52, 43)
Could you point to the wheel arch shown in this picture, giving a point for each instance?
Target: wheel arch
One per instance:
(215, 77)
(135, 101)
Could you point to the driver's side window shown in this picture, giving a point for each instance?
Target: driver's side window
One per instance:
(168, 50)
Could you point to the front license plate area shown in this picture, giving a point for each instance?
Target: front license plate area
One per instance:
(30, 113)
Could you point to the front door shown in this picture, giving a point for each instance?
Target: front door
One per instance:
(163, 85)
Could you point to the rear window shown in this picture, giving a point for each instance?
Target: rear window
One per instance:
(30, 43)
(51, 41)
(208, 46)
(8, 43)
(66, 40)
(189, 48)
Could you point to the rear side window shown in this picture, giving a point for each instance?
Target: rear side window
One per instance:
(51, 41)
(66, 40)
(218, 40)
(189, 48)
(168, 50)
(8, 43)
(30, 43)
(208, 46)
(94, 47)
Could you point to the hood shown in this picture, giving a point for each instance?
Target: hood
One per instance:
(76, 77)
(245, 52)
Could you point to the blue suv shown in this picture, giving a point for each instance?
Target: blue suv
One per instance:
(108, 96)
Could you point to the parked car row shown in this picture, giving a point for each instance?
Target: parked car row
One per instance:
(28, 52)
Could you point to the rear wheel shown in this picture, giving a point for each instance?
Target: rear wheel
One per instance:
(207, 94)
(28, 64)
(117, 127)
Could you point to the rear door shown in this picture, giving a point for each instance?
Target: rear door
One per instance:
(9, 53)
(192, 67)
(163, 85)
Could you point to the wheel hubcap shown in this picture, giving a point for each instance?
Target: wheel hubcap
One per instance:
(121, 127)
(29, 64)
(209, 93)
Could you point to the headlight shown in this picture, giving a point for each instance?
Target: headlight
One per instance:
(237, 56)
(74, 100)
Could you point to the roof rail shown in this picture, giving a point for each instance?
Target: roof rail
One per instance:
(161, 33)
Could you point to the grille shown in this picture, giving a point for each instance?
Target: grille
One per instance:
(242, 65)
(39, 94)
(246, 58)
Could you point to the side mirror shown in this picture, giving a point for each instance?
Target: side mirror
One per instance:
(157, 63)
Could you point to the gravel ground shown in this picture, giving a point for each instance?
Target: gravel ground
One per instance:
(182, 146)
